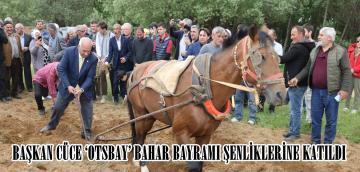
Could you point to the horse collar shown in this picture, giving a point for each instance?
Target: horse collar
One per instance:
(217, 115)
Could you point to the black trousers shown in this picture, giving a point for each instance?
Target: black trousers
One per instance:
(27, 72)
(111, 75)
(40, 92)
(2, 80)
(12, 73)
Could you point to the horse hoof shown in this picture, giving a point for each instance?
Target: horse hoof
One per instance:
(144, 169)
(136, 163)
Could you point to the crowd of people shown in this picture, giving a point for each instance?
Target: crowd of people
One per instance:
(75, 65)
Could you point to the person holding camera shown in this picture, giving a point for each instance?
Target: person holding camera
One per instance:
(182, 36)
(39, 55)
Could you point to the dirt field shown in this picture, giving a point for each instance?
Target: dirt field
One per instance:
(20, 124)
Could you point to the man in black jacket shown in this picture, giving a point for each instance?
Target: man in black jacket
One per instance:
(142, 47)
(295, 60)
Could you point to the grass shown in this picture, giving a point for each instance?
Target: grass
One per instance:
(348, 124)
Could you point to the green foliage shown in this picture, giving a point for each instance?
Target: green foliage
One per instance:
(207, 13)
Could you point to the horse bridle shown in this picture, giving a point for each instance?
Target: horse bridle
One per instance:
(254, 55)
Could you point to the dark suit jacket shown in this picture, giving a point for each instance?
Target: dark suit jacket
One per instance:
(115, 55)
(68, 71)
(74, 42)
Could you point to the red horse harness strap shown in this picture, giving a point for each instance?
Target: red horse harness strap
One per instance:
(211, 109)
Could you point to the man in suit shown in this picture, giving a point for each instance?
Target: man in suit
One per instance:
(76, 71)
(25, 40)
(120, 58)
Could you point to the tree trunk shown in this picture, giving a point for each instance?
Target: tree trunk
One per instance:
(345, 28)
(288, 29)
(325, 14)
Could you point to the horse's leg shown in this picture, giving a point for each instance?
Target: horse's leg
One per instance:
(142, 128)
(184, 138)
(132, 125)
(198, 165)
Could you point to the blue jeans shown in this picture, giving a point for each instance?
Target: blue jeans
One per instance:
(295, 97)
(239, 105)
(62, 103)
(322, 101)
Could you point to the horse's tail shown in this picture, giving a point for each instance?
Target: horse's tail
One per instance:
(132, 116)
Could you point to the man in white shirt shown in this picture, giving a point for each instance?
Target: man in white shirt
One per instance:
(102, 51)
(277, 46)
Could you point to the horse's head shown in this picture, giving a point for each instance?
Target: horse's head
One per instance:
(260, 66)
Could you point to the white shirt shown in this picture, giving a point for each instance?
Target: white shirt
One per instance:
(22, 40)
(118, 42)
(81, 61)
(182, 46)
(278, 48)
(102, 44)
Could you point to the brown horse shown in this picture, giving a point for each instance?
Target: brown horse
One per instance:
(193, 120)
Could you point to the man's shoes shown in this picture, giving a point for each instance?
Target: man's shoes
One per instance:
(354, 111)
(234, 120)
(125, 99)
(346, 109)
(4, 99)
(286, 135)
(16, 97)
(86, 135)
(251, 122)
(291, 138)
(103, 99)
(116, 101)
(46, 130)
(42, 112)
(21, 90)
(8, 98)
(30, 90)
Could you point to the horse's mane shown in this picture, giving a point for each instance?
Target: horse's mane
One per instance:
(243, 31)
(265, 40)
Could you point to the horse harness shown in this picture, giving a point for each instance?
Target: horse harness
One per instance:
(201, 90)
(201, 76)
(252, 55)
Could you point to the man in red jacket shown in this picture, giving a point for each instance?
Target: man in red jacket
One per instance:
(354, 55)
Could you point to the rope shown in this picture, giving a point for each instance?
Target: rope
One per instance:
(130, 137)
(143, 117)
